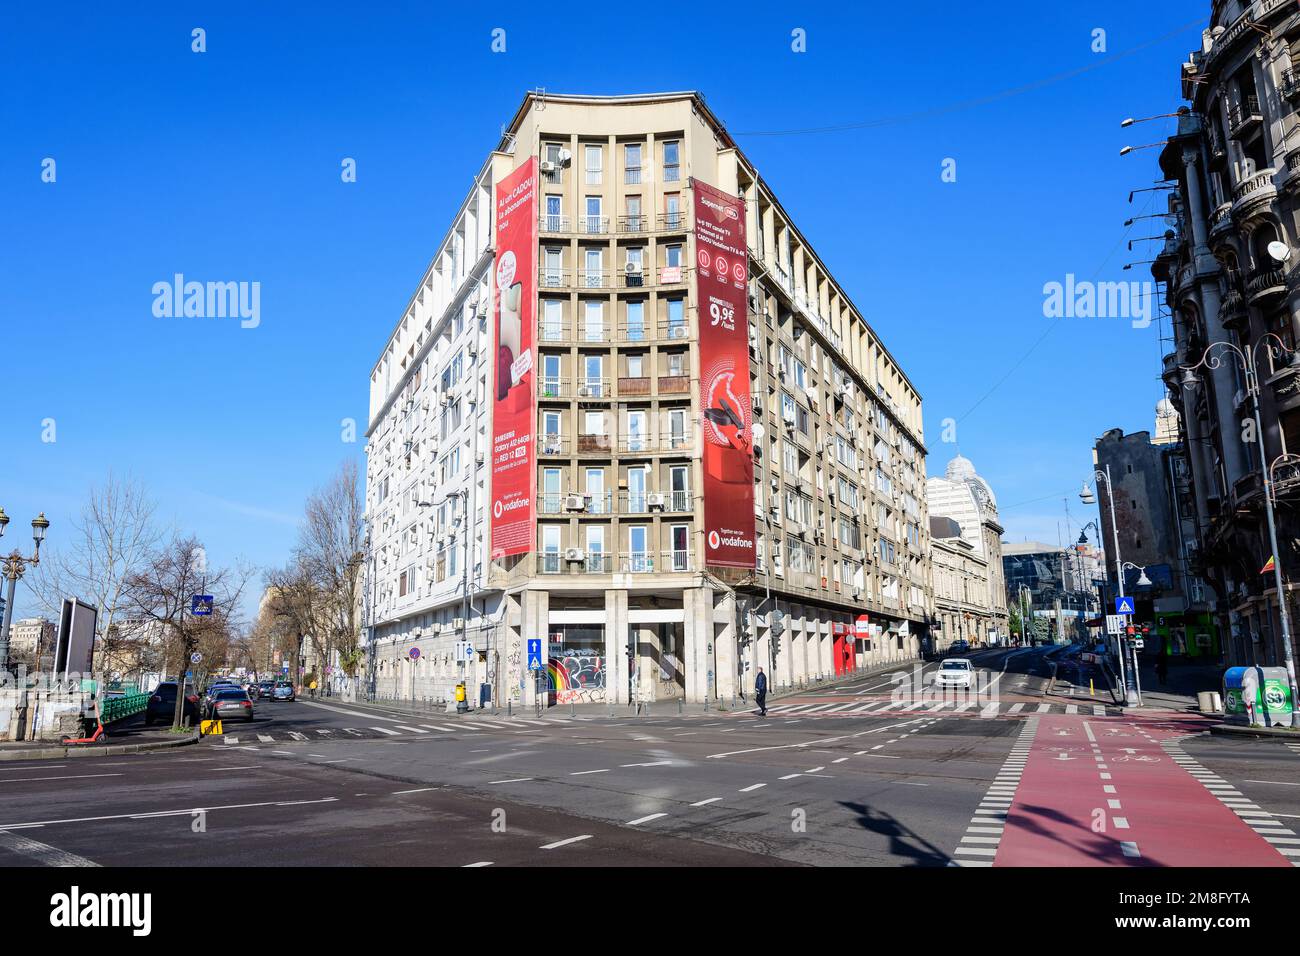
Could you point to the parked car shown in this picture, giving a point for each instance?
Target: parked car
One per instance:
(283, 691)
(955, 672)
(162, 704)
(230, 704)
(959, 647)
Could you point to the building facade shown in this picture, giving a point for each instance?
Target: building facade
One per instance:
(970, 600)
(30, 640)
(1232, 288)
(603, 588)
(1154, 521)
(426, 590)
(1054, 586)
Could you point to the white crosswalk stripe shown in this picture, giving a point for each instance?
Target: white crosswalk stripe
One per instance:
(414, 730)
(385, 730)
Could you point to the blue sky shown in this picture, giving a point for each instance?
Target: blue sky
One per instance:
(225, 166)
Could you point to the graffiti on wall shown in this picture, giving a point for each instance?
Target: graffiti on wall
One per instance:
(577, 678)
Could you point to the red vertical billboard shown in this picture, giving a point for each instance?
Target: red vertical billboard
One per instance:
(726, 412)
(514, 475)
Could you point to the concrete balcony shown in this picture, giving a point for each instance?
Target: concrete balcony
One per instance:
(1289, 86)
(1244, 116)
(1264, 284)
(1253, 193)
(1232, 310)
(1169, 370)
(1221, 221)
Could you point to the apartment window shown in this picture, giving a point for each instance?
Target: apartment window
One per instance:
(593, 423)
(632, 164)
(676, 363)
(595, 547)
(681, 548)
(676, 318)
(673, 256)
(636, 321)
(673, 211)
(551, 548)
(636, 430)
(553, 158)
(594, 275)
(635, 266)
(551, 432)
(595, 489)
(554, 221)
(553, 273)
(592, 365)
(640, 558)
(634, 222)
(677, 427)
(636, 366)
(552, 320)
(550, 376)
(637, 483)
(672, 161)
(593, 164)
(551, 490)
(679, 478)
(594, 223)
(593, 321)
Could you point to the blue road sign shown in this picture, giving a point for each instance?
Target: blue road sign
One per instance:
(1124, 605)
(534, 654)
(201, 605)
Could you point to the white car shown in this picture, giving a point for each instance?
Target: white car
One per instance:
(955, 672)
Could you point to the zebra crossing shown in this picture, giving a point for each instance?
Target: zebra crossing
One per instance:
(958, 706)
(412, 728)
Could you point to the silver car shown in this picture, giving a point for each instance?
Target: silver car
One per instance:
(230, 704)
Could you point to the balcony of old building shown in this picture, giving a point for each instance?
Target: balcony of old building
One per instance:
(1263, 284)
(1244, 116)
(1252, 193)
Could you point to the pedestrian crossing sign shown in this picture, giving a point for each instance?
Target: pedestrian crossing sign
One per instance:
(1124, 605)
(535, 654)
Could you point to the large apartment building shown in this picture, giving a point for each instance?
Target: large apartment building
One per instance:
(1234, 293)
(700, 458)
(426, 481)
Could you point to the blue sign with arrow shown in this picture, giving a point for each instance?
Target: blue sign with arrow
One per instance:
(534, 654)
(201, 605)
(1124, 605)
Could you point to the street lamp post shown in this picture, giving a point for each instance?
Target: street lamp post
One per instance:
(1087, 497)
(13, 566)
(1142, 582)
(1248, 360)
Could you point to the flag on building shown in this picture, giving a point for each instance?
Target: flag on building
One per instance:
(1268, 566)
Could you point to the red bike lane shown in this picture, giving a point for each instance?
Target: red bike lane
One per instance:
(1101, 791)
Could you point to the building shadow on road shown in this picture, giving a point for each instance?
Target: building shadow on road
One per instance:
(903, 841)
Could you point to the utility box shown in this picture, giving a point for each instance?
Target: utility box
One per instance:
(1258, 696)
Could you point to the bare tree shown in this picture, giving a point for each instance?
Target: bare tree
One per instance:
(330, 551)
(162, 590)
(111, 540)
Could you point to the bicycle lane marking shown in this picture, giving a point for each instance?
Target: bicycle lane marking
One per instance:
(1099, 792)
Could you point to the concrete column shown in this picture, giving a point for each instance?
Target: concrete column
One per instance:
(617, 645)
(535, 615)
(698, 641)
(726, 650)
(1269, 100)
(1224, 378)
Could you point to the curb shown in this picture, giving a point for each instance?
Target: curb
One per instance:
(59, 751)
(1235, 730)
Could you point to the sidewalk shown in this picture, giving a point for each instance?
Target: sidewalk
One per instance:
(669, 707)
(1183, 683)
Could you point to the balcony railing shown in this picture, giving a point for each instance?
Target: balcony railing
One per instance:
(1265, 283)
(1290, 85)
(645, 278)
(551, 387)
(553, 331)
(561, 446)
(648, 562)
(557, 562)
(603, 503)
(590, 503)
(1241, 115)
(1254, 187)
(649, 502)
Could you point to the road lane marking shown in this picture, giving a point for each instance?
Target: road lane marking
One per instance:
(266, 738)
(75, 776)
(560, 843)
(414, 730)
(657, 763)
(416, 790)
(385, 730)
(480, 863)
(350, 713)
(752, 787)
(43, 853)
(645, 819)
(583, 773)
(702, 803)
(512, 780)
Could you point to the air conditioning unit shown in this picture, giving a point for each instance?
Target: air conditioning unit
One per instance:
(565, 157)
(479, 458)
(585, 391)
(548, 167)
(821, 448)
(444, 401)
(575, 554)
(633, 268)
(473, 350)
(655, 502)
(857, 594)
(406, 447)
(789, 426)
(575, 503)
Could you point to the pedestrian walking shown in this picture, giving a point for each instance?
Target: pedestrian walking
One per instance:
(760, 692)
(1162, 668)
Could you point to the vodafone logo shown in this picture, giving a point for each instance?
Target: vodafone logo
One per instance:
(714, 540)
(496, 509)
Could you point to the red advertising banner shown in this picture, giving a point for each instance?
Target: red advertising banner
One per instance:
(726, 412)
(514, 475)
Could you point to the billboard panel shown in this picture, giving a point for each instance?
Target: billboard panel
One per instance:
(75, 647)
(726, 412)
(513, 413)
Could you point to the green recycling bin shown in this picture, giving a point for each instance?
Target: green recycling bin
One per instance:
(1260, 696)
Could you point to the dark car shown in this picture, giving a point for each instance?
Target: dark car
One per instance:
(264, 688)
(230, 704)
(959, 647)
(162, 704)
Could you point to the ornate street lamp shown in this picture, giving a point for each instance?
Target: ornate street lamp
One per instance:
(13, 566)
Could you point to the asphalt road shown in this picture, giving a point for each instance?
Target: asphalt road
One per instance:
(853, 775)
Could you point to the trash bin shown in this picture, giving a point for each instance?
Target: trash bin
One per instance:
(1257, 695)
(462, 704)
